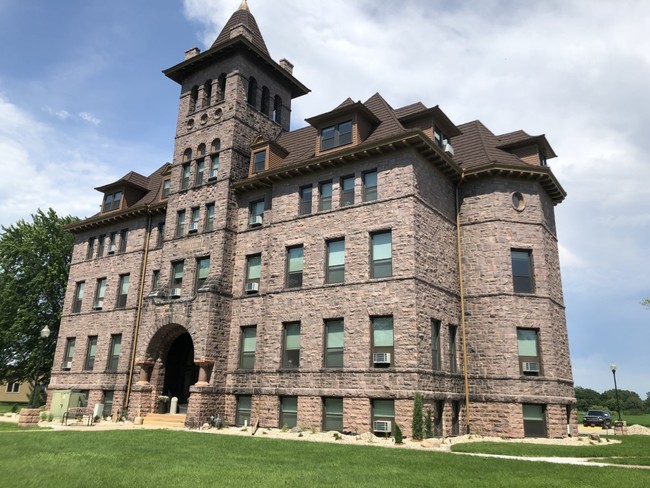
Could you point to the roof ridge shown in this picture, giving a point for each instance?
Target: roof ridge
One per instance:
(391, 110)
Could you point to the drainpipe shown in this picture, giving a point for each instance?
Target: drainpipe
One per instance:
(462, 301)
(138, 317)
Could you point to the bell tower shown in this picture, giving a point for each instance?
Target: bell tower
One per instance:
(233, 92)
(231, 95)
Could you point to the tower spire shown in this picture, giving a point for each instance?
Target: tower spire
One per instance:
(244, 5)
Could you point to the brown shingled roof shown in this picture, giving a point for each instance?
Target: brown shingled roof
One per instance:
(132, 179)
(477, 145)
(152, 184)
(245, 17)
(410, 109)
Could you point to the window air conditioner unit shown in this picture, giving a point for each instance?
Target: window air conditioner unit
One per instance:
(381, 426)
(255, 220)
(530, 367)
(381, 358)
(193, 228)
(213, 175)
(111, 249)
(98, 305)
(252, 287)
(66, 365)
(449, 149)
(175, 292)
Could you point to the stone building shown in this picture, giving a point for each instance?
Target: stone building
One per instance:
(322, 276)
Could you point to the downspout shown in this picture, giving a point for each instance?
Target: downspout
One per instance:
(462, 302)
(138, 317)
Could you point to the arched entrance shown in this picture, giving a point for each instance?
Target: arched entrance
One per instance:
(180, 370)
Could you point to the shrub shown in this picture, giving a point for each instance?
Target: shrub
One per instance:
(416, 425)
(399, 438)
(284, 428)
(428, 425)
(14, 408)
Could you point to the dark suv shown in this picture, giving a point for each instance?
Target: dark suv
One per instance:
(600, 418)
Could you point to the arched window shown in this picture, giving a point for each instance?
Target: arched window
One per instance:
(252, 91)
(277, 109)
(194, 95)
(187, 155)
(214, 159)
(221, 94)
(201, 150)
(207, 93)
(266, 95)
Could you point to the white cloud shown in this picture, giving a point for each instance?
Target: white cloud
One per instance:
(44, 168)
(88, 117)
(60, 114)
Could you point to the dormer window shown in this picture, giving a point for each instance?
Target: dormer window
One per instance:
(112, 201)
(336, 135)
(167, 186)
(440, 138)
(259, 161)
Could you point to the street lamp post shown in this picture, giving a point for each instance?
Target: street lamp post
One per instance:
(618, 406)
(45, 333)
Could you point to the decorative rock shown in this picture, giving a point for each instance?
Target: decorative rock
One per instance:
(296, 429)
(594, 437)
(205, 426)
(138, 420)
(431, 443)
(29, 417)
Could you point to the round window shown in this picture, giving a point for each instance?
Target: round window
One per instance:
(218, 113)
(518, 201)
(190, 124)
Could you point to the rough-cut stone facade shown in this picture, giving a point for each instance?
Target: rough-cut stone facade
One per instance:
(437, 208)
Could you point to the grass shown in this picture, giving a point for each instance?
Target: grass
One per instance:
(11, 426)
(631, 447)
(5, 407)
(175, 458)
(636, 419)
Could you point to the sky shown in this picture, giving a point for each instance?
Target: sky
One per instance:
(83, 101)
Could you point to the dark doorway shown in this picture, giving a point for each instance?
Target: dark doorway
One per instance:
(180, 370)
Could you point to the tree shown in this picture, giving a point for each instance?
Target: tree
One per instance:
(647, 402)
(630, 401)
(428, 425)
(34, 263)
(416, 424)
(586, 398)
(646, 302)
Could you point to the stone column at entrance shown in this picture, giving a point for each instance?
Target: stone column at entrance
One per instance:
(146, 367)
(205, 370)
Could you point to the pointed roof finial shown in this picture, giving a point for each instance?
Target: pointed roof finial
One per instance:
(244, 5)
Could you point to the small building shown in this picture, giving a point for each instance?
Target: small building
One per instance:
(19, 392)
(322, 276)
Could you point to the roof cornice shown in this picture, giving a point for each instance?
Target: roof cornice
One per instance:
(414, 139)
(104, 219)
(543, 175)
(183, 69)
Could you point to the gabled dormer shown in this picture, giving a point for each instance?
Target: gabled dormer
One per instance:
(124, 192)
(347, 125)
(432, 121)
(534, 150)
(265, 155)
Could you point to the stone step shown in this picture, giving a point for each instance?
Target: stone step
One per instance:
(165, 420)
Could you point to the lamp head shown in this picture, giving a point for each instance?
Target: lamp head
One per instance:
(613, 367)
(45, 332)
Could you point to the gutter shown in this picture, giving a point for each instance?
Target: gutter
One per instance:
(138, 317)
(462, 303)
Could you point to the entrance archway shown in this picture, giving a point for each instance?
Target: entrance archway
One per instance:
(180, 370)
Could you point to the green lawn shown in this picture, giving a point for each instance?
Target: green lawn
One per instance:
(636, 419)
(152, 458)
(635, 447)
